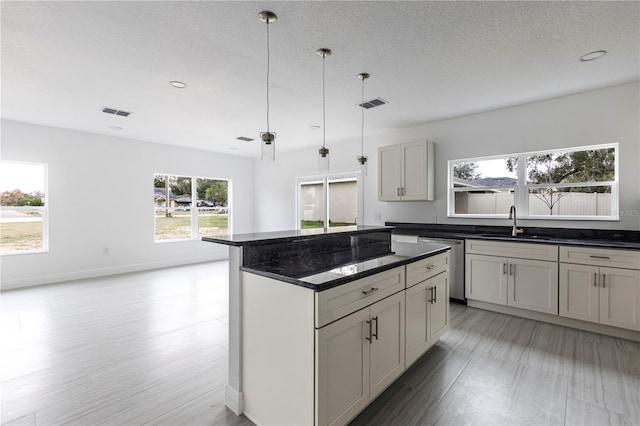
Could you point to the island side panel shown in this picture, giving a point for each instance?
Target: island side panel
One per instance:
(277, 351)
(234, 398)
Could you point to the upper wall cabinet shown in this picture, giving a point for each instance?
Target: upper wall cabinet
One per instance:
(406, 172)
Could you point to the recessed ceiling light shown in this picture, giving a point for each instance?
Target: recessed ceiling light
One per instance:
(314, 127)
(115, 127)
(592, 56)
(178, 84)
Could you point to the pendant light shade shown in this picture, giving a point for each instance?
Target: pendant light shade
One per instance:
(362, 159)
(323, 152)
(268, 138)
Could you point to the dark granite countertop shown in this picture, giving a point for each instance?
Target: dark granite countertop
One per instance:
(258, 238)
(307, 274)
(622, 239)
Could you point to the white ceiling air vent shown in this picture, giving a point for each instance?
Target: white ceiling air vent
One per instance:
(244, 139)
(373, 103)
(115, 111)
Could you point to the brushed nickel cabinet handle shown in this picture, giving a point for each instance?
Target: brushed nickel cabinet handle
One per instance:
(369, 338)
(512, 268)
(435, 294)
(430, 294)
(376, 320)
(603, 280)
(595, 279)
(368, 292)
(398, 191)
(593, 256)
(504, 269)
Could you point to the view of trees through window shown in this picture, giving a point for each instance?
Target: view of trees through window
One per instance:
(569, 183)
(22, 212)
(188, 207)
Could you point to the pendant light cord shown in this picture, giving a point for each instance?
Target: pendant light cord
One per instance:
(268, 63)
(362, 130)
(324, 120)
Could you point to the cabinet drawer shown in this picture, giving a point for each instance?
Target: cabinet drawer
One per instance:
(517, 250)
(426, 268)
(600, 257)
(340, 301)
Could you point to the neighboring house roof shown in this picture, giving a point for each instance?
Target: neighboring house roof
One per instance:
(162, 193)
(486, 182)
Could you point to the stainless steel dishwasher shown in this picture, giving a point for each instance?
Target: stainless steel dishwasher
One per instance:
(456, 271)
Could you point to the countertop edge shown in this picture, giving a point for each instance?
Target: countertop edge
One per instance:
(343, 280)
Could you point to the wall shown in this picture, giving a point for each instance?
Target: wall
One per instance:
(595, 117)
(100, 195)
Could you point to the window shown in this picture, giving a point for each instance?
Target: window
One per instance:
(328, 201)
(23, 211)
(190, 208)
(572, 183)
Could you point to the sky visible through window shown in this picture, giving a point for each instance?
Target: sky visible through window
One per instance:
(25, 177)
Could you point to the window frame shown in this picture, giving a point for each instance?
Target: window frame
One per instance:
(193, 209)
(325, 179)
(521, 189)
(44, 208)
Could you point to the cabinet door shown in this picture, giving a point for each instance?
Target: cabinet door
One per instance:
(533, 285)
(439, 306)
(486, 278)
(387, 344)
(414, 171)
(417, 328)
(342, 369)
(579, 292)
(620, 298)
(389, 173)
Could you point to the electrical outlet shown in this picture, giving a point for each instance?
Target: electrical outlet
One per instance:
(377, 217)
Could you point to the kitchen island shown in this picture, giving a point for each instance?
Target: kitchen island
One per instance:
(317, 319)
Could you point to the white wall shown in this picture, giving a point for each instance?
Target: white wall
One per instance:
(595, 117)
(100, 195)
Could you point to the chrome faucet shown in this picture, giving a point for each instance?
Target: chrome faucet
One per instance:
(512, 215)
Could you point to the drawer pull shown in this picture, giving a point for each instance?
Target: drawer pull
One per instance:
(376, 320)
(593, 256)
(368, 292)
(430, 267)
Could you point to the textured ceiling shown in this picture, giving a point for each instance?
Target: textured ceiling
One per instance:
(63, 61)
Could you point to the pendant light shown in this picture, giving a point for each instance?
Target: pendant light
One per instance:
(268, 138)
(362, 159)
(323, 159)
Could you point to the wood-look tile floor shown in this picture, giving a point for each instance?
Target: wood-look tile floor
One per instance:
(151, 348)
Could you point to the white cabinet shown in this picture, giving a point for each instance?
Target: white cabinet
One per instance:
(427, 314)
(406, 172)
(486, 278)
(600, 294)
(527, 278)
(358, 357)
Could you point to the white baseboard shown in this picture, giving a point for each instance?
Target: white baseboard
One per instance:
(101, 272)
(234, 400)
